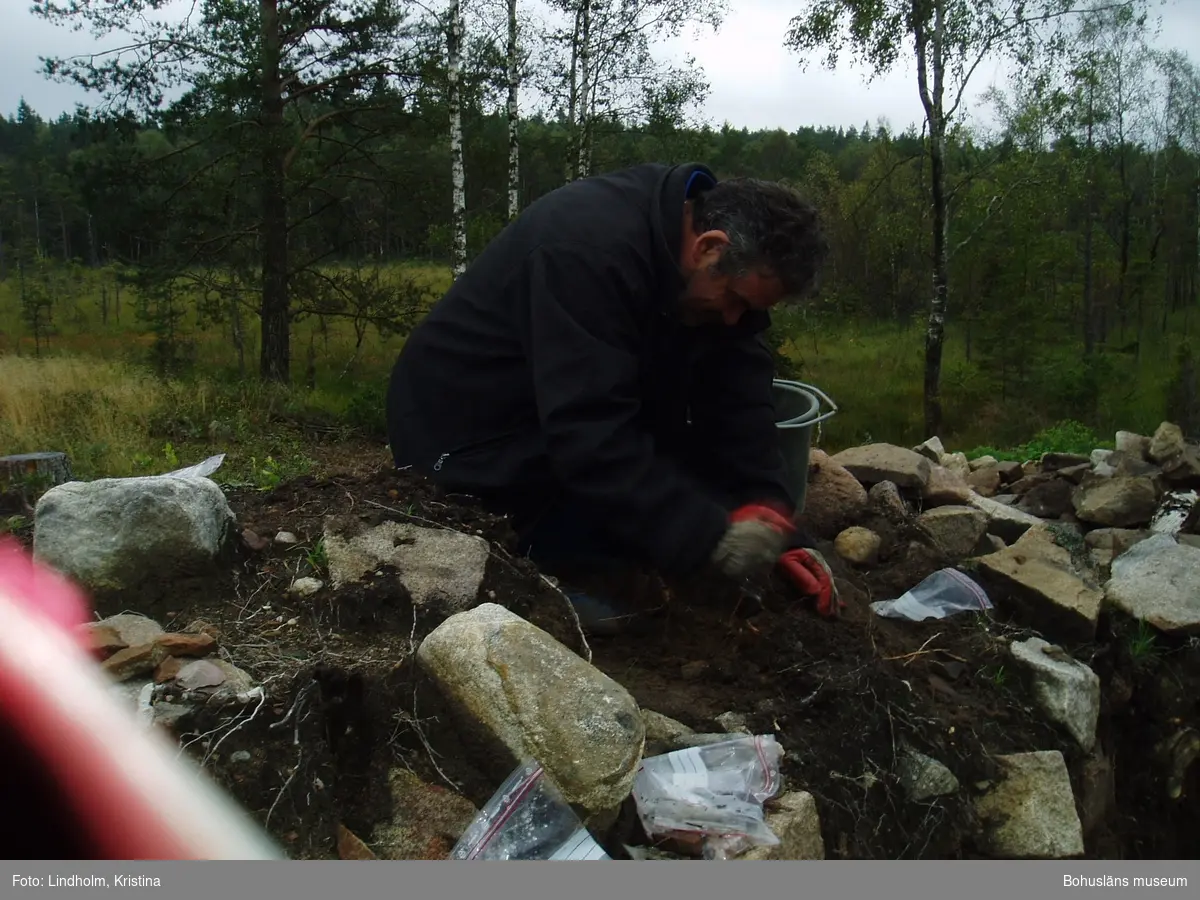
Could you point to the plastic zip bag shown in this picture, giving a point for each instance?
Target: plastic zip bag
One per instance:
(527, 818)
(201, 469)
(711, 795)
(945, 592)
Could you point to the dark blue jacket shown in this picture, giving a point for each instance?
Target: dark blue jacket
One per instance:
(554, 365)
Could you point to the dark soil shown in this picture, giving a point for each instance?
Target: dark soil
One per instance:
(843, 697)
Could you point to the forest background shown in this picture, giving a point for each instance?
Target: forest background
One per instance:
(223, 250)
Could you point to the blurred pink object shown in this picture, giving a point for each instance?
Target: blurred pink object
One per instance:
(39, 589)
(92, 780)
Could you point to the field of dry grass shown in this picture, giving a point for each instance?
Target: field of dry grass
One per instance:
(97, 410)
(89, 389)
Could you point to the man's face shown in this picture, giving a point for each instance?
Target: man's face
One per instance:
(713, 298)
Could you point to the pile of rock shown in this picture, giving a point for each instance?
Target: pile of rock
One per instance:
(1063, 534)
(533, 698)
(1055, 540)
(167, 674)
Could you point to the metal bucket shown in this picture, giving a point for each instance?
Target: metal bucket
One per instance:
(797, 412)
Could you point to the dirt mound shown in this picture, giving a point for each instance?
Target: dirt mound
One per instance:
(347, 707)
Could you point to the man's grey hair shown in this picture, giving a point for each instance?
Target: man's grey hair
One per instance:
(771, 228)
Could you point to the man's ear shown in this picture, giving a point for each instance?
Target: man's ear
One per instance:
(709, 245)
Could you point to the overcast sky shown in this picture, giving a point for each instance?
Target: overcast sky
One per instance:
(755, 82)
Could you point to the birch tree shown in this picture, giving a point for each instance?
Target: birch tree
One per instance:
(502, 29)
(1180, 194)
(457, 175)
(513, 64)
(600, 64)
(949, 40)
(1112, 105)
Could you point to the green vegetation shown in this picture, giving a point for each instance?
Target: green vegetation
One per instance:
(1143, 644)
(114, 418)
(96, 396)
(1067, 436)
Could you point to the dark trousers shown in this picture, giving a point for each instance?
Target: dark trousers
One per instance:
(566, 534)
(559, 530)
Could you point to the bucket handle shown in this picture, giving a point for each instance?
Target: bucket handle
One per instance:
(820, 395)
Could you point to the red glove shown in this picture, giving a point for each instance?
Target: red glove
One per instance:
(812, 576)
(756, 535)
(768, 513)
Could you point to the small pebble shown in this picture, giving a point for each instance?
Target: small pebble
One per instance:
(951, 670)
(306, 587)
(240, 756)
(732, 722)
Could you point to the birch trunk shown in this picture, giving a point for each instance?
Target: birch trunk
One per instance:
(585, 96)
(514, 143)
(458, 180)
(933, 101)
(1089, 295)
(573, 103)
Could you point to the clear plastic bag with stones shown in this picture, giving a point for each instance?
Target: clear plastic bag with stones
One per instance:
(527, 818)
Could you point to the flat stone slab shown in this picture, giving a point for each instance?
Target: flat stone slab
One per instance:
(1158, 580)
(1041, 577)
(796, 821)
(873, 463)
(1067, 690)
(945, 488)
(1003, 520)
(1030, 813)
(438, 567)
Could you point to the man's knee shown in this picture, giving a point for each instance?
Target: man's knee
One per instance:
(568, 532)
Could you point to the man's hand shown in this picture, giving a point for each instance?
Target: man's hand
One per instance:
(755, 538)
(811, 575)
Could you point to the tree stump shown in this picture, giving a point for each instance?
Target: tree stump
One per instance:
(25, 476)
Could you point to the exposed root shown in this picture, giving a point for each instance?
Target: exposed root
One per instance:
(404, 718)
(587, 650)
(286, 784)
(208, 734)
(920, 651)
(262, 698)
(806, 701)
(296, 704)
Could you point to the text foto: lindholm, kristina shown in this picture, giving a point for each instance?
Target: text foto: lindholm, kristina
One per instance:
(103, 881)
